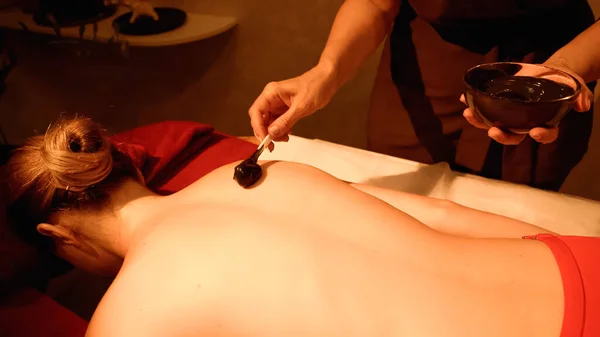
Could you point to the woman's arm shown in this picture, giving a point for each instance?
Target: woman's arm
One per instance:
(581, 55)
(448, 217)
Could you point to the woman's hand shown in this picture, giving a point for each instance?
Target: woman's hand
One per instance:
(282, 104)
(582, 103)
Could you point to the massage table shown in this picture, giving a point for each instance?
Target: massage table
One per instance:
(172, 155)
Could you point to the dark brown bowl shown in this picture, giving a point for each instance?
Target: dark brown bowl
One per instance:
(517, 97)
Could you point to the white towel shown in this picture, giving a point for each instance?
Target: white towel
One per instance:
(555, 212)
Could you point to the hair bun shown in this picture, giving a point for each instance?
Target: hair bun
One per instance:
(77, 153)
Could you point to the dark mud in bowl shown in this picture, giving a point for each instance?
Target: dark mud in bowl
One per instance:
(517, 97)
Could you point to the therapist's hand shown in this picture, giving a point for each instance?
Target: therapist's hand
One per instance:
(543, 135)
(282, 104)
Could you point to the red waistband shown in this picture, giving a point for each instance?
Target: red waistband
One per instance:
(574, 295)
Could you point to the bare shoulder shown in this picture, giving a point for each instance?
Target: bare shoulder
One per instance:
(137, 307)
(165, 288)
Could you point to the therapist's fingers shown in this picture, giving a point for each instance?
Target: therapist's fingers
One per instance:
(281, 126)
(505, 138)
(260, 115)
(583, 102)
(265, 110)
(543, 135)
(469, 115)
(258, 124)
(274, 115)
(473, 120)
(270, 147)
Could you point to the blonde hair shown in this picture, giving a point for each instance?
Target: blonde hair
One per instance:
(71, 166)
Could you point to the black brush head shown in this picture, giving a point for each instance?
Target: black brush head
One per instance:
(247, 173)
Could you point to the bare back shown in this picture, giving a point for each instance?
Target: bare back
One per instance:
(304, 254)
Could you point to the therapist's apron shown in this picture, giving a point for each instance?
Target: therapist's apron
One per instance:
(415, 112)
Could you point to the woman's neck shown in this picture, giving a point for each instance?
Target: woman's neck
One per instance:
(135, 207)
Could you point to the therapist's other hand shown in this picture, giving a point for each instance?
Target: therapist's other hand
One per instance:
(582, 103)
(282, 104)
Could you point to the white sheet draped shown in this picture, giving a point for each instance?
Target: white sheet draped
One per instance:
(556, 212)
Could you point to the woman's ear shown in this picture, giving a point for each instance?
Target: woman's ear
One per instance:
(58, 233)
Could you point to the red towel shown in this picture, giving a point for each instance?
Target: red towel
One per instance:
(220, 150)
(161, 145)
(30, 313)
(174, 154)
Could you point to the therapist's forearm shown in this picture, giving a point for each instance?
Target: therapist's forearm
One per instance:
(582, 54)
(359, 28)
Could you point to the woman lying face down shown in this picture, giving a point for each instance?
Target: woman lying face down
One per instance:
(299, 254)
